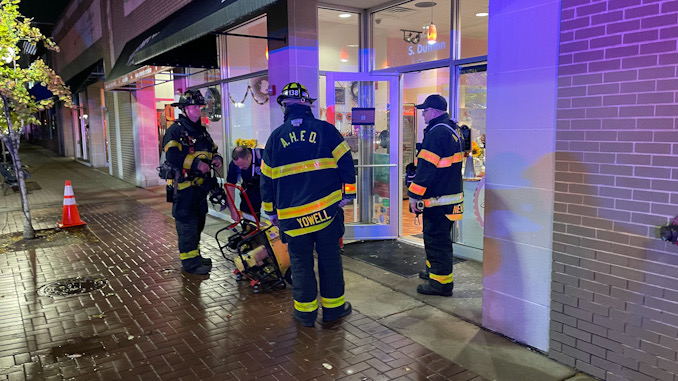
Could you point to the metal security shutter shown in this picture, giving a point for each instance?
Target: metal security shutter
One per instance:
(129, 173)
(112, 136)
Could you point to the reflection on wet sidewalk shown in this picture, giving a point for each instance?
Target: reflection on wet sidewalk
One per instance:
(151, 321)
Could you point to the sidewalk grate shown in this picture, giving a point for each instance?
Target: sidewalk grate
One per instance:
(72, 286)
(152, 322)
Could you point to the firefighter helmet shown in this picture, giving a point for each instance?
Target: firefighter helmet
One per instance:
(190, 97)
(295, 90)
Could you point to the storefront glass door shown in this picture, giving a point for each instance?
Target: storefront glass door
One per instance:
(375, 212)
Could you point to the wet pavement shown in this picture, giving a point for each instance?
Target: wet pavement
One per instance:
(150, 321)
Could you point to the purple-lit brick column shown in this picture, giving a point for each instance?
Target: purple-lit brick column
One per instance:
(296, 59)
(615, 284)
(522, 76)
(146, 147)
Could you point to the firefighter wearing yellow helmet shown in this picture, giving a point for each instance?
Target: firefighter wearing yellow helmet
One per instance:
(307, 177)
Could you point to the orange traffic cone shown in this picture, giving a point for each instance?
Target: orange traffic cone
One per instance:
(70, 217)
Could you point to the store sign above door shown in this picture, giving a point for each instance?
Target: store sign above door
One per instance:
(425, 48)
(134, 76)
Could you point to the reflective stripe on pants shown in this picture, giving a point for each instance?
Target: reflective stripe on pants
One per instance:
(330, 271)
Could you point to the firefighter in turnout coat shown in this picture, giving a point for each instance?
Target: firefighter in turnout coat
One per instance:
(307, 177)
(190, 151)
(437, 188)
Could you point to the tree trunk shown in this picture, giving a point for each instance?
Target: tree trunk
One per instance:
(12, 143)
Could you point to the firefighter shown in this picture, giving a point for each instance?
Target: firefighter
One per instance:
(307, 177)
(245, 166)
(438, 187)
(190, 151)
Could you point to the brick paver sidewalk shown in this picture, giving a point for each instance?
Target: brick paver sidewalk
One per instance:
(152, 322)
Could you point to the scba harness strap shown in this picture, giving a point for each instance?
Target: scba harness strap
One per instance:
(456, 134)
(167, 172)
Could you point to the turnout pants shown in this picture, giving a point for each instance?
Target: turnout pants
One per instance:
(330, 272)
(438, 246)
(189, 211)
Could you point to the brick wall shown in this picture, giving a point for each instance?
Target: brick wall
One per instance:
(615, 284)
(147, 14)
(116, 27)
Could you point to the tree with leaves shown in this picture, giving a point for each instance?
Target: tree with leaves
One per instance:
(19, 107)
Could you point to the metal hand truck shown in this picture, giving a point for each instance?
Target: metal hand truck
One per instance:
(255, 248)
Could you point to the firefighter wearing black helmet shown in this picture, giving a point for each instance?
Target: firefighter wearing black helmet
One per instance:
(307, 176)
(190, 151)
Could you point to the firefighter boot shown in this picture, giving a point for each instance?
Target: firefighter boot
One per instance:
(423, 274)
(428, 289)
(194, 266)
(205, 261)
(345, 312)
(304, 319)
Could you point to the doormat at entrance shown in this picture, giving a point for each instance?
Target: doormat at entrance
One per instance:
(390, 255)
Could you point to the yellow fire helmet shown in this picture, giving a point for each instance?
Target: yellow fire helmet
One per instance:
(295, 90)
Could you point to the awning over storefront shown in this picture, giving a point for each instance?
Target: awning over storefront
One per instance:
(126, 72)
(86, 77)
(128, 81)
(191, 31)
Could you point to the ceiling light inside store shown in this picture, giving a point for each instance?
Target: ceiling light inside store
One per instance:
(345, 15)
(425, 4)
(343, 54)
(432, 34)
(411, 36)
(432, 31)
(482, 14)
(352, 45)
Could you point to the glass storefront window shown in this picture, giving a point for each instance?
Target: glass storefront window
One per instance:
(322, 99)
(369, 146)
(474, 18)
(247, 55)
(211, 115)
(165, 113)
(416, 87)
(401, 33)
(248, 111)
(338, 37)
(198, 76)
(473, 101)
(419, 85)
(472, 110)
